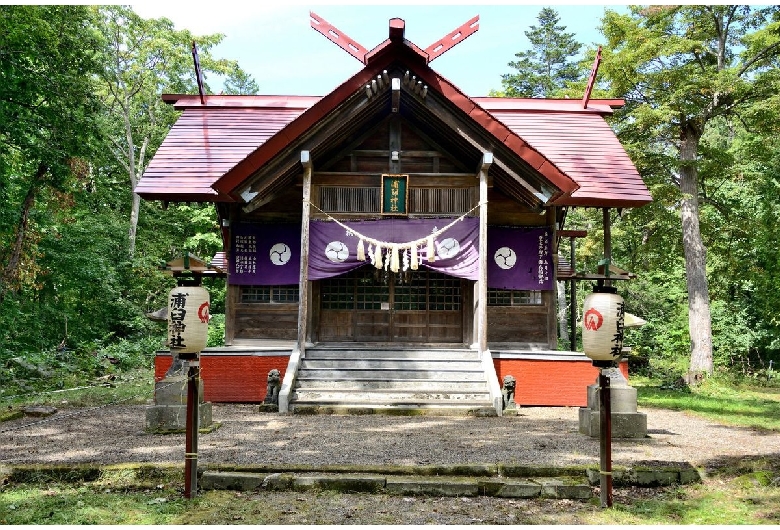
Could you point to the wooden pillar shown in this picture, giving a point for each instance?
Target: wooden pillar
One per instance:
(395, 145)
(303, 283)
(572, 235)
(573, 298)
(551, 297)
(487, 159)
(607, 243)
(232, 291)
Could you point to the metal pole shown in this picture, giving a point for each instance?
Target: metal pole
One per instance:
(605, 452)
(191, 436)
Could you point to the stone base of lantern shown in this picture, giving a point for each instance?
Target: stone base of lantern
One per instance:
(169, 413)
(626, 421)
(173, 418)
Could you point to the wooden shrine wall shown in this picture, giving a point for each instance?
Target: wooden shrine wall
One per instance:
(431, 173)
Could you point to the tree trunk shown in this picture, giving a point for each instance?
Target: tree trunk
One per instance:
(699, 320)
(131, 235)
(11, 270)
(131, 169)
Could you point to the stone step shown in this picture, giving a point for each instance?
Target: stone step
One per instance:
(307, 383)
(379, 403)
(396, 409)
(409, 396)
(349, 374)
(393, 364)
(447, 486)
(378, 380)
(391, 354)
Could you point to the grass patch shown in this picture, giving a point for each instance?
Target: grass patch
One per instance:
(10, 414)
(68, 504)
(740, 405)
(132, 387)
(737, 492)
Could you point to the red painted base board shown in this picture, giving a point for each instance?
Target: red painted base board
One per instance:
(243, 378)
(556, 383)
(231, 378)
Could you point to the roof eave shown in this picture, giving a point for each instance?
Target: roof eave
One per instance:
(189, 101)
(595, 106)
(598, 202)
(186, 197)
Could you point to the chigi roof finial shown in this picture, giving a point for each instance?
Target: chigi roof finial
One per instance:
(396, 34)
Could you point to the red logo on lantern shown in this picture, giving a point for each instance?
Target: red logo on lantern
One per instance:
(203, 312)
(593, 319)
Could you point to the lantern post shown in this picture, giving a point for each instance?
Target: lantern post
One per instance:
(605, 438)
(191, 436)
(602, 340)
(188, 318)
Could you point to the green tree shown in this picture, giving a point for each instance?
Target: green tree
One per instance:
(240, 82)
(144, 59)
(47, 121)
(550, 63)
(681, 69)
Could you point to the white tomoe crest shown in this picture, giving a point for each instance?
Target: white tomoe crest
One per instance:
(505, 258)
(337, 252)
(448, 248)
(280, 254)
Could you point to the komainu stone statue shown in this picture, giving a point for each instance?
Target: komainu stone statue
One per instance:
(274, 385)
(508, 392)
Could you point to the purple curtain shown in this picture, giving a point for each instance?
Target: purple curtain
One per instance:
(265, 254)
(333, 249)
(520, 258)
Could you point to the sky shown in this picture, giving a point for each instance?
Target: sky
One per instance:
(274, 42)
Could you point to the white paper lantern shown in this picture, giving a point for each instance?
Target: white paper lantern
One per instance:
(188, 319)
(602, 325)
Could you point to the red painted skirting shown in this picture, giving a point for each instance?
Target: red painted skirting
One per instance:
(231, 378)
(548, 383)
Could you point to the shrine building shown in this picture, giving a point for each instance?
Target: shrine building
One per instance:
(395, 243)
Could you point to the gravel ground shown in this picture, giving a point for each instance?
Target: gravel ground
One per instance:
(537, 436)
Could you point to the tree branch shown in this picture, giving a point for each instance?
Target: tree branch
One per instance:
(715, 204)
(117, 150)
(763, 54)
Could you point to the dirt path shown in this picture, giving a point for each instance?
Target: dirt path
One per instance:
(537, 436)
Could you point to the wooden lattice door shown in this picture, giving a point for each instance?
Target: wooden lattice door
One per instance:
(370, 305)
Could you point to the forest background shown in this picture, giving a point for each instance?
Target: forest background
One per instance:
(81, 257)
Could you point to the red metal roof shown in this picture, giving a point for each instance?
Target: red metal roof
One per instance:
(213, 148)
(208, 141)
(581, 143)
(214, 138)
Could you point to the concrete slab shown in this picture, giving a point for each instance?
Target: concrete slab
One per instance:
(577, 486)
(341, 483)
(230, 480)
(442, 486)
(554, 488)
(520, 490)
